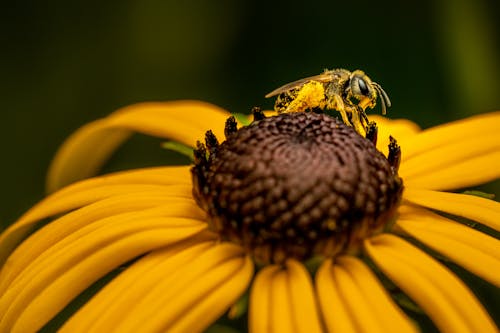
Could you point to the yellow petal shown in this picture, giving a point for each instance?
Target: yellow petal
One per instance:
(215, 303)
(401, 129)
(390, 126)
(165, 175)
(165, 303)
(154, 180)
(451, 153)
(473, 250)
(259, 314)
(363, 315)
(478, 209)
(112, 303)
(388, 315)
(453, 132)
(52, 281)
(281, 307)
(305, 312)
(87, 149)
(70, 227)
(470, 172)
(446, 299)
(336, 314)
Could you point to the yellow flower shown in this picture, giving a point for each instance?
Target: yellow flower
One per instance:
(176, 275)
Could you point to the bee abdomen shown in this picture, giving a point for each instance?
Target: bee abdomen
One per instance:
(283, 100)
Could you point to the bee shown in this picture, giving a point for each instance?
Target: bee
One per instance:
(350, 93)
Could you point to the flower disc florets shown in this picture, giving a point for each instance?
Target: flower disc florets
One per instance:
(294, 185)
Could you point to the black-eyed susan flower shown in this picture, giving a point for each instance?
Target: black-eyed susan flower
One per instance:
(252, 213)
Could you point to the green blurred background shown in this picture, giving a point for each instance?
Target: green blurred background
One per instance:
(65, 63)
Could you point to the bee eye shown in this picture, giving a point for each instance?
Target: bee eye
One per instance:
(360, 87)
(363, 87)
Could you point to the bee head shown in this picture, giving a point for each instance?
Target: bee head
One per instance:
(366, 91)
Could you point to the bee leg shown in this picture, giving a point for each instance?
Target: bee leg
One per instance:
(394, 156)
(356, 122)
(345, 119)
(364, 118)
(372, 132)
(338, 104)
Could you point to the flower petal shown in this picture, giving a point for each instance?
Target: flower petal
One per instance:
(451, 153)
(330, 299)
(112, 303)
(70, 227)
(87, 149)
(165, 175)
(259, 313)
(390, 317)
(454, 132)
(363, 315)
(466, 173)
(474, 250)
(193, 283)
(282, 300)
(401, 129)
(352, 300)
(218, 301)
(281, 307)
(47, 285)
(304, 309)
(154, 180)
(481, 210)
(446, 299)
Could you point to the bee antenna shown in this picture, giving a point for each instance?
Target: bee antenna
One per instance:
(384, 98)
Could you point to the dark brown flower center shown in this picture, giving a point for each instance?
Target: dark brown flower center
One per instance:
(295, 185)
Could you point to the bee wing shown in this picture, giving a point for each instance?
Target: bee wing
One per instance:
(323, 77)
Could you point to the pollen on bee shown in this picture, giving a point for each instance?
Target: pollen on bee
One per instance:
(366, 102)
(310, 96)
